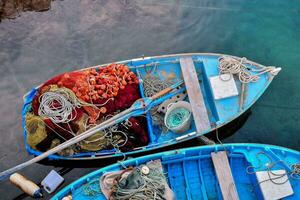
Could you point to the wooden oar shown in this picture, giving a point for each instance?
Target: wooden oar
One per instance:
(138, 108)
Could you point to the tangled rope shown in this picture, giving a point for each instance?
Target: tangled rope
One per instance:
(58, 106)
(241, 67)
(294, 173)
(153, 84)
(111, 135)
(111, 131)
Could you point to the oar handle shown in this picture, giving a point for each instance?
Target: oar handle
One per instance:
(166, 90)
(26, 185)
(161, 93)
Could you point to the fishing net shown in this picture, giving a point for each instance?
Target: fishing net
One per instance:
(95, 142)
(73, 102)
(142, 182)
(152, 84)
(36, 130)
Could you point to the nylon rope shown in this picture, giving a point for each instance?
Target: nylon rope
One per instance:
(243, 69)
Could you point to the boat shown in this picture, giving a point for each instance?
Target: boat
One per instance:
(215, 88)
(192, 173)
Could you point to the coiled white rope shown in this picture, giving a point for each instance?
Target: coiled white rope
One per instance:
(244, 69)
(58, 106)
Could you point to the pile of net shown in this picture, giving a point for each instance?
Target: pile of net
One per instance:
(143, 182)
(71, 103)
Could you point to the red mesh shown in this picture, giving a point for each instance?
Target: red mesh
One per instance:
(79, 83)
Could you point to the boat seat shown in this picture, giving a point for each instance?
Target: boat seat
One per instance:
(224, 175)
(195, 95)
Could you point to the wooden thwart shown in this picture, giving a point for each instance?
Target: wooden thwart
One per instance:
(194, 92)
(224, 175)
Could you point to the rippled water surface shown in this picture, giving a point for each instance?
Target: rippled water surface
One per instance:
(74, 34)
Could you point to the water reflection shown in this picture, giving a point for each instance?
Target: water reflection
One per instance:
(12, 8)
(78, 33)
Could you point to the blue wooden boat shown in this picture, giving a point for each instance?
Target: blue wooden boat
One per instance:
(191, 174)
(213, 104)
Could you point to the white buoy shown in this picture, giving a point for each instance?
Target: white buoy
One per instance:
(69, 197)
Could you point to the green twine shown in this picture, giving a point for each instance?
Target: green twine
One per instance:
(92, 188)
(177, 117)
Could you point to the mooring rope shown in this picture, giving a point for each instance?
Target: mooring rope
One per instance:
(246, 74)
(294, 173)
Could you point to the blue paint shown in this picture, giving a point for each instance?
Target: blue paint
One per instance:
(191, 174)
(220, 112)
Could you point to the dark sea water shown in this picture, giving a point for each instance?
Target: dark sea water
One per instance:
(79, 33)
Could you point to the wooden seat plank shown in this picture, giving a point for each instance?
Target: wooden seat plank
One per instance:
(195, 95)
(224, 175)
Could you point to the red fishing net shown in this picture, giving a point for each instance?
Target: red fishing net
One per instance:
(112, 88)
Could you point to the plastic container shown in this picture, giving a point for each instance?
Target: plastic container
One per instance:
(52, 181)
(185, 126)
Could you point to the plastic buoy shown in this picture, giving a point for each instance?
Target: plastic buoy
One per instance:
(26, 185)
(69, 197)
(145, 170)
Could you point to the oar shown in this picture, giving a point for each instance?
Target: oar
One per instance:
(140, 107)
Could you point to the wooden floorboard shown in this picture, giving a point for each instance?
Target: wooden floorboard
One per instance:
(224, 175)
(195, 95)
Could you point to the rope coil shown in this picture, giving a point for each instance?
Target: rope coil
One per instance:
(57, 106)
(294, 172)
(244, 69)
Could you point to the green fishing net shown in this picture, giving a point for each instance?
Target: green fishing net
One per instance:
(96, 142)
(36, 130)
